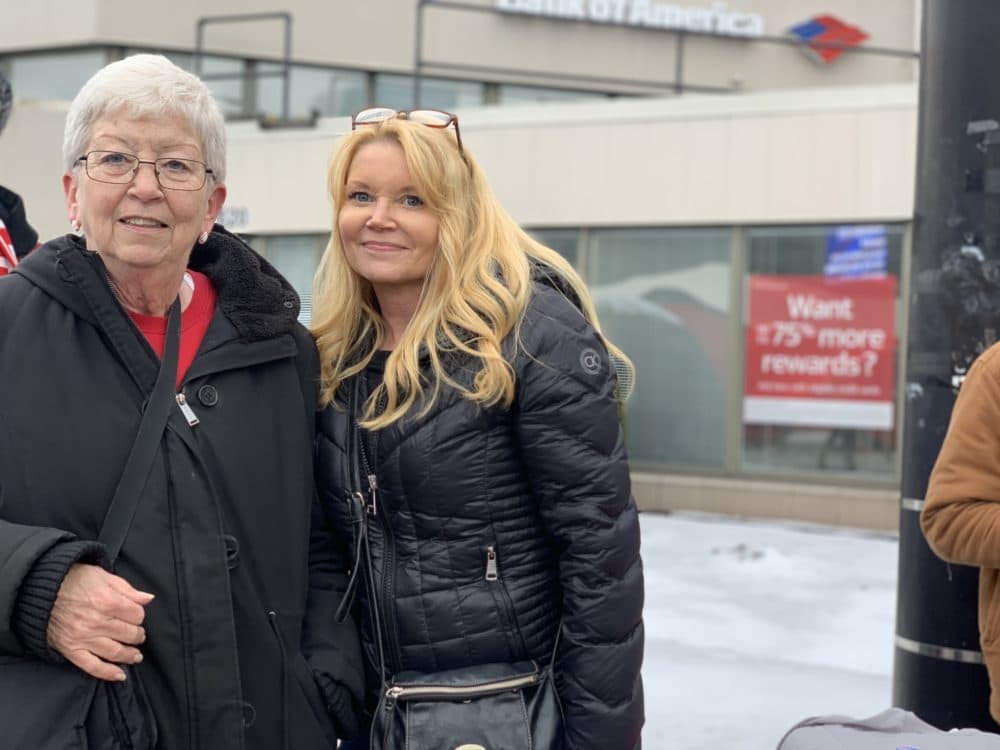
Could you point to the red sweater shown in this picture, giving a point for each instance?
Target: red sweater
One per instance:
(194, 323)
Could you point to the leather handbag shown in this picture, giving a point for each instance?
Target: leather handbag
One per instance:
(56, 706)
(505, 706)
(482, 707)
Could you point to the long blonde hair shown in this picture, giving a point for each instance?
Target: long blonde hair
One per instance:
(475, 292)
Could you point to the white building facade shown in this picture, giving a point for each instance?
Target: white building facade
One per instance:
(725, 191)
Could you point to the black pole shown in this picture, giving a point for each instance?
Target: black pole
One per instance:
(954, 305)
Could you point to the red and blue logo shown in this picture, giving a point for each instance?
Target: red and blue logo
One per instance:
(826, 37)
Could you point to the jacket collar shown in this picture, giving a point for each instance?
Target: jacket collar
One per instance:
(256, 299)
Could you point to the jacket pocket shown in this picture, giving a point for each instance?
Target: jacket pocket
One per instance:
(307, 721)
(505, 606)
(121, 716)
(47, 706)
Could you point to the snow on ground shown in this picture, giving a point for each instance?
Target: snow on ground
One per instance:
(752, 626)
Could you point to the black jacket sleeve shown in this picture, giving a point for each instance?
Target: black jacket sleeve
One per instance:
(32, 565)
(332, 649)
(39, 589)
(573, 450)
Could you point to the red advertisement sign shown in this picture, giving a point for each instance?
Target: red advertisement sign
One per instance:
(820, 352)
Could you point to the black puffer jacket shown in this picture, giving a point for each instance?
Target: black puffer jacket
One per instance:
(544, 487)
(221, 534)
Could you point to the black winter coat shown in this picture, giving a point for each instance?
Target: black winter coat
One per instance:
(539, 494)
(240, 636)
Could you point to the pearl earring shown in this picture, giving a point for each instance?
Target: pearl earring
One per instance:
(203, 238)
(75, 225)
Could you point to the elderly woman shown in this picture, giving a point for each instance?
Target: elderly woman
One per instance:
(472, 438)
(213, 629)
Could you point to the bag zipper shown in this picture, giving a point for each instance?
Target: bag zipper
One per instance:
(413, 692)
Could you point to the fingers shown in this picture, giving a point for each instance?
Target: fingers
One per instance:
(110, 650)
(125, 589)
(95, 667)
(123, 632)
(88, 587)
(116, 607)
(96, 621)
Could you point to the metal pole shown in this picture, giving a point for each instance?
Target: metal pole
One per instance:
(418, 44)
(286, 92)
(938, 672)
(679, 65)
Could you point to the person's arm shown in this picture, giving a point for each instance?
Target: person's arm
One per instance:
(57, 603)
(332, 649)
(21, 548)
(573, 451)
(961, 515)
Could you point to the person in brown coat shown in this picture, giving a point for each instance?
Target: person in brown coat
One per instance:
(961, 514)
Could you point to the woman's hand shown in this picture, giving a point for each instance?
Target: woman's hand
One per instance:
(96, 621)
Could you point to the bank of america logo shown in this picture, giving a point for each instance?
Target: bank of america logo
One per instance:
(824, 38)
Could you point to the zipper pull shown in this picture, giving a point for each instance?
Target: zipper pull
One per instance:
(373, 491)
(491, 564)
(391, 696)
(186, 410)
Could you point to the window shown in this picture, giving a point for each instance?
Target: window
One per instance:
(821, 349)
(328, 92)
(55, 75)
(563, 241)
(228, 88)
(511, 94)
(396, 91)
(296, 257)
(663, 298)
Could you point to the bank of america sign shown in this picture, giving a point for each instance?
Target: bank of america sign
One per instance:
(716, 18)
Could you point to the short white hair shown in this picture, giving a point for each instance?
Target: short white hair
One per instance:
(147, 86)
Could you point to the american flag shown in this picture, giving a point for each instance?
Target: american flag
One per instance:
(8, 258)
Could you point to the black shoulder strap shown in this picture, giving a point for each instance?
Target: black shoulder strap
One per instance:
(147, 441)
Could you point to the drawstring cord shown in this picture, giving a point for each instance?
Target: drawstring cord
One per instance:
(360, 523)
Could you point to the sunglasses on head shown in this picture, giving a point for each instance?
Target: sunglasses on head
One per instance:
(432, 118)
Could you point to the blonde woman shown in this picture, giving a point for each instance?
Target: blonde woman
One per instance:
(472, 404)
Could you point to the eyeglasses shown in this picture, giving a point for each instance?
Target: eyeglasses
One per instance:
(432, 118)
(119, 168)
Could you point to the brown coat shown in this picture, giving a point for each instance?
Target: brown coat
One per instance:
(961, 516)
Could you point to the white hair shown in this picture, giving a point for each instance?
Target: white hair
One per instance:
(147, 85)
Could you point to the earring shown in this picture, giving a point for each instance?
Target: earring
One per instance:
(75, 225)
(203, 238)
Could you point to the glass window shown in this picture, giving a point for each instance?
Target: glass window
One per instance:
(228, 88)
(563, 241)
(396, 91)
(663, 297)
(56, 75)
(296, 257)
(819, 396)
(511, 94)
(329, 92)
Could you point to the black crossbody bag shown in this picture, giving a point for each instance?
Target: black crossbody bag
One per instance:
(503, 706)
(57, 706)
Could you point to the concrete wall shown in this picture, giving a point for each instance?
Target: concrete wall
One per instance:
(781, 157)
(379, 35)
(837, 505)
(778, 157)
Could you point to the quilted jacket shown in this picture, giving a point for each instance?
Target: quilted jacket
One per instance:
(491, 526)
